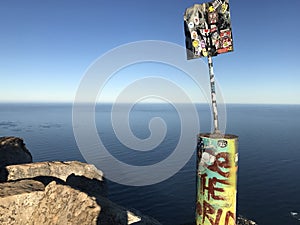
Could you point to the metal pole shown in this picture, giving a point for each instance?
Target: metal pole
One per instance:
(213, 95)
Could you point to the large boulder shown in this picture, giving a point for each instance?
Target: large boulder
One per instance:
(55, 192)
(13, 151)
(82, 177)
(29, 202)
(62, 204)
(18, 201)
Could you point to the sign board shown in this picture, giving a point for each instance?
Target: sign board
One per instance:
(208, 29)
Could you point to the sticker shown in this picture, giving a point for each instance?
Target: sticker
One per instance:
(194, 35)
(217, 44)
(222, 143)
(204, 31)
(226, 43)
(224, 7)
(215, 36)
(225, 33)
(212, 17)
(213, 28)
(197, 52)
(202, 44)
(202, 22)
(216, 3)
(208, 22)
(196, 21)
(211, 9)
(222, 50)
(191, 25)
(195, 43)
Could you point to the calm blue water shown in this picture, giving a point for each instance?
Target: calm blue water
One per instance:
(269, 151)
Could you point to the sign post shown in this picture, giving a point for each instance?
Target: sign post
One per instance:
(207, 34)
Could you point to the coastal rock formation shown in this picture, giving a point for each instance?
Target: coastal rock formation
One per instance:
(62, 204)
(51, 195)
(57, 193)
(13, 151)
(29, 202)
(18, 200)
(60, 170)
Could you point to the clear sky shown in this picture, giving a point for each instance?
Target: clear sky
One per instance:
(46, 46)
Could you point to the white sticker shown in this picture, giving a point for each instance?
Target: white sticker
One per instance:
(191, 25)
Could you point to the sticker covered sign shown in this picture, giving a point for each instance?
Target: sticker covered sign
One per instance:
(208, 29)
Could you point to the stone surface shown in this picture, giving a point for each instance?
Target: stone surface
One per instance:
(112, 213)
(29, 202)
(18, 201)
(13, 151)
(70, 178)
(60, 170)
(243, 221)
(64, 205)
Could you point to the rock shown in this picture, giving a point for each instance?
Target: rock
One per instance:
(29, 202)
(18, 201)
(112, 213)
(82, 177)
(60, 170)
(55, 192)
(243, 221)
(62, 204)
(13, 151)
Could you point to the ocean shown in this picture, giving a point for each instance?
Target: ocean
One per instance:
(269, 155)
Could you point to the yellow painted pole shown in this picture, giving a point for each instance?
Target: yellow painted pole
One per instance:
(217, 160)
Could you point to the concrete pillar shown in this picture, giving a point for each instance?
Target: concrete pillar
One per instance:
(217, 160)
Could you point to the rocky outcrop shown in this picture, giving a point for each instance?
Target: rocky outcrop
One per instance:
(57, 193)
(13, 151)
(18, 201)
(60, 170)
(63, 181)
(29, 202)
(62, 204)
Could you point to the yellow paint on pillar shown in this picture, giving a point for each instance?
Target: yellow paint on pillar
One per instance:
(216, 179)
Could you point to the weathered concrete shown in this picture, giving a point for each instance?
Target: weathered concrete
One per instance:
(13, 151)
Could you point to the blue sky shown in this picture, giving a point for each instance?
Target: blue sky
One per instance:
(47, 46)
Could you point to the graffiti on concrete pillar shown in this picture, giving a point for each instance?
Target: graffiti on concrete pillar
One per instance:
(216, 185)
